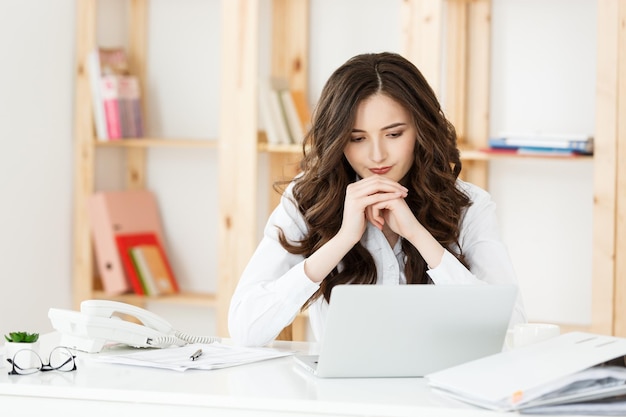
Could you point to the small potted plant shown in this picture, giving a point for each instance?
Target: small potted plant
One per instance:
(22, 337)
(16, 341)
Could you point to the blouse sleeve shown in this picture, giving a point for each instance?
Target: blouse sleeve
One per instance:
(273, 286)
(485, 253)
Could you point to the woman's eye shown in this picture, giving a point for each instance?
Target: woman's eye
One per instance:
(357, 139)
(394, 134)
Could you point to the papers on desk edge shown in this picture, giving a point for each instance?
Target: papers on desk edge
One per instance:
(214, 356)
(575, 373)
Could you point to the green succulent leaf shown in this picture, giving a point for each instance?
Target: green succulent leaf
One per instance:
(22, 337)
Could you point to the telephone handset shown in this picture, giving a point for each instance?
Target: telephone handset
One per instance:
(97, 324)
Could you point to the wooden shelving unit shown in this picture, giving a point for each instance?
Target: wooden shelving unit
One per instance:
(465, 81)
(86, 285)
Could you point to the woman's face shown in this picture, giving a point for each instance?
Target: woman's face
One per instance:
(383, 139)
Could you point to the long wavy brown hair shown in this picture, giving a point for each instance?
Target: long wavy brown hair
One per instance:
(320, 191)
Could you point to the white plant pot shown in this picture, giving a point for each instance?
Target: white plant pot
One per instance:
(11, 348)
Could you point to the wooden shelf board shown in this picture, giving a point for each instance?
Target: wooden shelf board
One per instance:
(197, 299)
(290, 148)
(466, 154)
(473, 155)
(159, 143)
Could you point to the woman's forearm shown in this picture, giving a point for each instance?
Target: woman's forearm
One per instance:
(430, 249)
(321, 262)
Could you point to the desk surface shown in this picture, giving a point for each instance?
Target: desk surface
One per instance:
(273, 387)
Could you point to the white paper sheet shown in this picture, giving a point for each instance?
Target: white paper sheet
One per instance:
(214, 356)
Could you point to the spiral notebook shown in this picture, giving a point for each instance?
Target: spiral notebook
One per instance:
(410, 330)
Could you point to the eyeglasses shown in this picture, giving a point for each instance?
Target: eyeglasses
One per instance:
(27, 361)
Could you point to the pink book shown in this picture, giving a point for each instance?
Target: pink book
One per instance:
(110, 99)
(130, 107)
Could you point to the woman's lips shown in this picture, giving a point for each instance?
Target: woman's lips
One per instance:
(380, 171)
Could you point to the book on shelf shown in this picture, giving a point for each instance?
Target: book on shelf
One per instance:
(293, 116)
(109, 87)
(130, 106)
(100, 62)
(95, 75)
(267, 115)
(114, 213)
(574, 373)
(284, 112)
(535, 152)
(116, 97)
(113, 60)
(124, 245)
(148, 271)
(528, 143)
(272, 114)
(154, 270)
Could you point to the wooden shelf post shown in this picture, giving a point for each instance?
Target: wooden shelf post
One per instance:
(137, 59)
(290, 52)
(609, 209)
(83, 264)
(237, 148)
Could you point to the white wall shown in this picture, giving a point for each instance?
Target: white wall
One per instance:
(36, 159)
(543, 80)
(537, 48)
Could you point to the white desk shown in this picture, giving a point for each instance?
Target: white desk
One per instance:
(272, 388)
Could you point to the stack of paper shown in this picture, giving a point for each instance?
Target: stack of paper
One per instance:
(214, 356)
(570, 373)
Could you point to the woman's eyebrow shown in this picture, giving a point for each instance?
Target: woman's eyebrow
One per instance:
(391, 126)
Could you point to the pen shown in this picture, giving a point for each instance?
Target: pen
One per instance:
(196, 355)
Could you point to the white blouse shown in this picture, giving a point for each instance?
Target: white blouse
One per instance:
(273, 287)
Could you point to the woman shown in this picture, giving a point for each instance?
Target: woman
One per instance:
(378, 202)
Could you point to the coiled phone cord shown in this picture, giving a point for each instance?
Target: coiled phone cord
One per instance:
(197, 339)
(181, 339)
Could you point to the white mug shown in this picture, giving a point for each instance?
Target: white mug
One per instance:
(524, 334)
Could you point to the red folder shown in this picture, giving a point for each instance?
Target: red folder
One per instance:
(125, 243)
(118, 213)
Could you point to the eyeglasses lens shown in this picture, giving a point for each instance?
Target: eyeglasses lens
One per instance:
(26, 362)
(62, 360)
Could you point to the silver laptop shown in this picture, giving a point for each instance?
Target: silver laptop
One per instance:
(410, 330)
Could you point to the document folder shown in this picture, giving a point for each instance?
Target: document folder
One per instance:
(569, 369)
(117, 213)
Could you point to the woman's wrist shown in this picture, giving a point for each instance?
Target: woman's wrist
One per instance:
(321, 262)
(431, 250)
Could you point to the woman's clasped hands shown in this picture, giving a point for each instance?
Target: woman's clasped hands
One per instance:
(380, 201)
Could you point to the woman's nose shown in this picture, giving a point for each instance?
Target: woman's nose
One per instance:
(377, 151)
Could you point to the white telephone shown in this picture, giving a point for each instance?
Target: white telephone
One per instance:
(96, 324)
